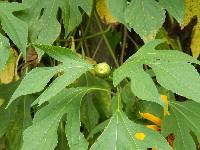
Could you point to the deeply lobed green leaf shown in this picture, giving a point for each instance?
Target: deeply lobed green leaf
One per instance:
(72, 67)
(120, 135)
(164, 63)
(183, 119)
(16, 29)
(43, 133)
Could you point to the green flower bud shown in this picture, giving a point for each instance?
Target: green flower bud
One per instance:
(102, 69)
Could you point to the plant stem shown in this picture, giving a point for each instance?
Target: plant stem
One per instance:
(87, 37)
(97, 48)
(106, 41)
(136, 45)
(94, 35)
(87, 26)
(123, 46)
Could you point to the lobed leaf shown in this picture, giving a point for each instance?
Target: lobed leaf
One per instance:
(73, 67)
(184, 118)
(35, 81)
(145, 17)
(175, 8)
(16, 29)
(30, 82)
(165, 65)
(41, 17)
(121, 133)
(43, 133)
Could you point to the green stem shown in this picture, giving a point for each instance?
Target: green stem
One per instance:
(94, 35)
(87, 26)
(106, 41)
(123, 46)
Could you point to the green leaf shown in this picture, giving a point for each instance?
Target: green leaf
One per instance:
(4, 51)
(16, 118)
(117, 9)
(75, 138)
(145, 17)
(130, 102)
(141, 83)
(120, 135)
(43, 133)
(101, 99)
(99, 128)
(161, 61)
(4, 118)
(34, 81)
(89, 114)
(182, 79)
(21, 119)
(16, 29)
(71, 14)
(175, 8)
(184, 118)
(44, 27)
(96, 106)
(72, 67)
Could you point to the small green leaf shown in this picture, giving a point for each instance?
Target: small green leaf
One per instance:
(4, 51)
(121, 133)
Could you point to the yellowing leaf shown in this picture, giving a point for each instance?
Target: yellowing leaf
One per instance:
(7, 75)
(153, 127)
(166, 101)
(151, 118)
(192, 8)
(139, 136)
(1, 101)
(104, 13)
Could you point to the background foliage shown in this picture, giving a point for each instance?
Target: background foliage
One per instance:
(55, 92)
